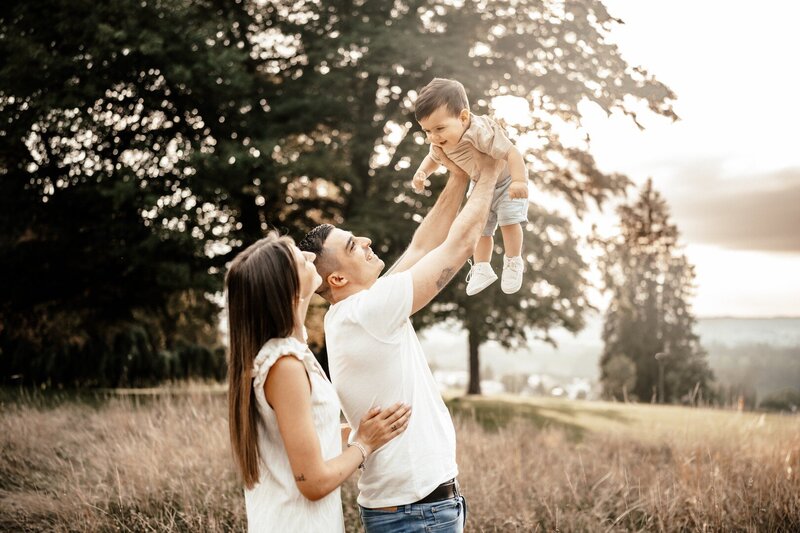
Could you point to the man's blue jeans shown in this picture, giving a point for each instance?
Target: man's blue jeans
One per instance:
(444, 516)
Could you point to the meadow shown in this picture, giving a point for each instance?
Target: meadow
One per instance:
(161, 462)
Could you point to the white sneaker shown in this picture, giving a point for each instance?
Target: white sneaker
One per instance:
(512, 274)
(480, 276)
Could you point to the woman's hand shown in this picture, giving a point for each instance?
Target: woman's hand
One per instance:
(379, 427)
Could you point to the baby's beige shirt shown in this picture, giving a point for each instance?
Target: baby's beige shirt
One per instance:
(488, 137)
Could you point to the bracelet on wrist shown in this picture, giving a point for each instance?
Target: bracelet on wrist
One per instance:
(362, 450)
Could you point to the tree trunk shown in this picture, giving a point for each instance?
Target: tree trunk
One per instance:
(474, 386)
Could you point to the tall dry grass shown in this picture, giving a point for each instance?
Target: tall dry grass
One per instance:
(159, 463)
(163, 464)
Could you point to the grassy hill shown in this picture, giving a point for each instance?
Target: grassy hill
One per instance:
(161, 462)
(640, 421)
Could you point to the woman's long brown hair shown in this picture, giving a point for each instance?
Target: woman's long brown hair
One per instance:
(263, 291)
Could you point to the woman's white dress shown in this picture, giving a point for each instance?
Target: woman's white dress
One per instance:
(275, 503)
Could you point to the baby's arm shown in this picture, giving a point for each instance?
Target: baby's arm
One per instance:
(425, 169)
(519, 174)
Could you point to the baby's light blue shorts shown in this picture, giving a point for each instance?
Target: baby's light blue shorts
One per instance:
(505, 211)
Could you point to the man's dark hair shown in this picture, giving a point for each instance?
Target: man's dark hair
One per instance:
(440, 92)
(314, 242)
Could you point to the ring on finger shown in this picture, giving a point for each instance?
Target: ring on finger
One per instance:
(394, 427)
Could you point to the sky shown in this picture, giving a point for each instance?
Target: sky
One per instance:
(730, 168)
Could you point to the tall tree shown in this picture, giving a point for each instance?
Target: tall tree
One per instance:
(156, 139)
(360, 69)
(649, 320)
(108, 111)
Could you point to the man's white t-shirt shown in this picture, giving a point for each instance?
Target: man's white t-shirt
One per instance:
(375, 359)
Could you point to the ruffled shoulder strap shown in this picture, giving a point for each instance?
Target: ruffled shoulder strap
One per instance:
(273, 350)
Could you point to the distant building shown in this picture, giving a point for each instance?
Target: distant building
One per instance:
(451, 379)
(490, 387)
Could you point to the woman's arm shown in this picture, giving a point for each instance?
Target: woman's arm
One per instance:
(288, 392)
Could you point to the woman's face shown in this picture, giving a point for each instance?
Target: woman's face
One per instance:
(306, 272)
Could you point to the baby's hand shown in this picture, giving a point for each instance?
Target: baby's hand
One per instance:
(518, 190)
(418, 182)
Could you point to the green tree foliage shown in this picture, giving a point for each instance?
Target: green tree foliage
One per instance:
(144, 143)
(651, 281)
(783, 400)
(620, 378)
(108, 111)
(358, 68)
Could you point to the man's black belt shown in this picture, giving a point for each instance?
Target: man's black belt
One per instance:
(445, 491)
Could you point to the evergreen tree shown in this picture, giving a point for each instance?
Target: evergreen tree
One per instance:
(649, 320)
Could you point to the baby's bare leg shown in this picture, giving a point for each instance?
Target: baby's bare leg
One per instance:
(512, 240)
(483, 250)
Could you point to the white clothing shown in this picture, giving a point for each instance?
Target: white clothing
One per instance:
(375, 359)
(275, 503)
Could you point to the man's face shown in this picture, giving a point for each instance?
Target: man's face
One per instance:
(356, 260)
(443, 128)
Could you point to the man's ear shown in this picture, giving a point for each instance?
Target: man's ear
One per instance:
(336, 280)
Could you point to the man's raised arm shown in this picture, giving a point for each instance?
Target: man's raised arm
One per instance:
(433, 229)
(435, 270)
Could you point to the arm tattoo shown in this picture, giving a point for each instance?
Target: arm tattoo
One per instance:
(445, 277)
(300, 478)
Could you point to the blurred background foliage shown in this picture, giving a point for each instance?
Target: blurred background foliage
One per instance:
(144, 143)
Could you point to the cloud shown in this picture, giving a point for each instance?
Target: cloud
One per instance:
(746, 213)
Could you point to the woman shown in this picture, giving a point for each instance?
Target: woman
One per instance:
(283, 411)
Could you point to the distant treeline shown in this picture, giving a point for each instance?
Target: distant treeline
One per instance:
(765, 375)
(127, 357)
(765, 368)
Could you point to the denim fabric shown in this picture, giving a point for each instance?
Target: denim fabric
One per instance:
(444, 516)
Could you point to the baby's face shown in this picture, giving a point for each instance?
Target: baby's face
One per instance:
(443, 128)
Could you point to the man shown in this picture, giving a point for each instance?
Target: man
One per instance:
(375, 358)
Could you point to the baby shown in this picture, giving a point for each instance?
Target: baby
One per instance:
(443, 112)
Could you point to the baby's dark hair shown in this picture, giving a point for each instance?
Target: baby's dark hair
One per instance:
(441, 92)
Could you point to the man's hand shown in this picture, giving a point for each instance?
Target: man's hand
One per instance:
(487, 162)
(518, 190)
(448, 163)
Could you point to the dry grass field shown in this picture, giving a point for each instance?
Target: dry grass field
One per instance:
(161, 462)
